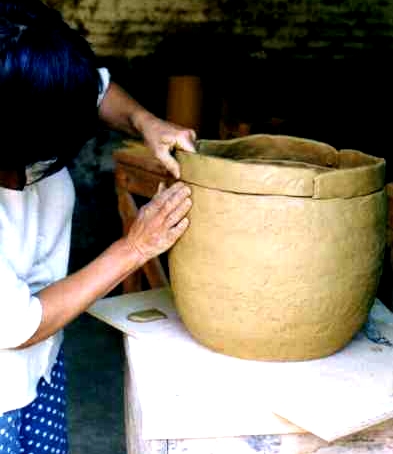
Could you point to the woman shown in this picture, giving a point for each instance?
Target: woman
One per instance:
(52, 96)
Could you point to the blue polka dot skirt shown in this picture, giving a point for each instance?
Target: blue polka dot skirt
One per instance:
(39, 428)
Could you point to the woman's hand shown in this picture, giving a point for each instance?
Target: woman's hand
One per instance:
(161, 222)
(123, 113)
(163, 137)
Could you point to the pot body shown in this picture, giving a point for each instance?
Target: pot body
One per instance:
(275, 276)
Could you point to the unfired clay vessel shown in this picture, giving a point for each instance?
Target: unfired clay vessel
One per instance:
(284, 251)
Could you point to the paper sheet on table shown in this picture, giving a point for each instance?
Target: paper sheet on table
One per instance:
(330, 397)
(184, 389)
(345, 392)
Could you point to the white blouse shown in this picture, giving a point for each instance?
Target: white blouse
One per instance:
(35, 231)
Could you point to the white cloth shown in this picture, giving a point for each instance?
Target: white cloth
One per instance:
(105, 79)
(35, 231)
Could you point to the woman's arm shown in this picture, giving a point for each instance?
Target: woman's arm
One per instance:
(122, 113)
(158, 226)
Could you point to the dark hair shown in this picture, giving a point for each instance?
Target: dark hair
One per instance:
(49, 85)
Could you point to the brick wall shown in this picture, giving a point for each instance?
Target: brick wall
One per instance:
(300, 28)
(322, 65)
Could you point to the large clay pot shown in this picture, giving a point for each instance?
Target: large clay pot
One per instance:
(284, 251)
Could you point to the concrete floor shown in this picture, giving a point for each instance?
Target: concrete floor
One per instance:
(94, 361)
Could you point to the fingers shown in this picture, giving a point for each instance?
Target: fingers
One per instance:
(174, 195)
(186, 142)
(168, 161)
(174, 204)
(168, 206)
(157, 200)
(162, 221)
(177, 230)
(161, 188)
(178, 214)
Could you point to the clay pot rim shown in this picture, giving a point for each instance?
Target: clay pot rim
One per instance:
(331, 173)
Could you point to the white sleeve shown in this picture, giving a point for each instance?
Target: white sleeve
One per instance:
(20, 312)
(105, 80)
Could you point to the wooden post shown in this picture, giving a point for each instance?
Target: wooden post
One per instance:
(184, 101)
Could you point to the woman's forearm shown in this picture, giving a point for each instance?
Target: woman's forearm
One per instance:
(157, 227)
(66, 299)
(121, 112)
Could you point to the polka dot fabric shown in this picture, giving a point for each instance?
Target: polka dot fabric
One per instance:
(9, 432)
(39, 428)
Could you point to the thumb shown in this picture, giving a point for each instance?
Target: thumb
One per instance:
(186, 142)
(168, 161)
(161, 187)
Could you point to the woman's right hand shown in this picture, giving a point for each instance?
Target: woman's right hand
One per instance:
(161, 222)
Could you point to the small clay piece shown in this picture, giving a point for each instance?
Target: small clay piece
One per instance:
(146, 315)
(285, 247)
